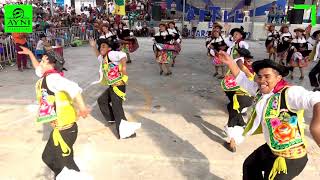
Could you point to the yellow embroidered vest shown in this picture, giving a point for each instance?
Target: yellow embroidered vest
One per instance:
(111, 72)
(285, 127)
(54, 106)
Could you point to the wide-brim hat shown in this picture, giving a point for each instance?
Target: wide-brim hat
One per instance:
(267, 63)
(314, 34)
(42, 35)
(299, 30)
(217, 25)
(163, 24)
(172, 22)
(56, 59)
(111, 41)
(240, 30)
(283, 26)
(243, 52)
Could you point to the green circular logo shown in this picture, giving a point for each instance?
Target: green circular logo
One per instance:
(18, 13)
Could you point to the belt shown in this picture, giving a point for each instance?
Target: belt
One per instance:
(292, 153)
(64, 127)
(120, 83)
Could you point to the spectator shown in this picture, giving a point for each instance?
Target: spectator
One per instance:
(41, 46)
(145, 30)
(1, 24)
(138, 29)
(194, 25)
(173, 8)
(20, 39)
(185, 32)
(272, 12)
(280, 15)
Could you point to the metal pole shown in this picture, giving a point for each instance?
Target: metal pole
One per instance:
(183, 13)
(253, 19)
(51, 7)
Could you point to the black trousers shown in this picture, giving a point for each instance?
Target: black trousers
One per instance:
(235, 117)
(262, 159)
(52, 155)
(314, 75)
(110, 105)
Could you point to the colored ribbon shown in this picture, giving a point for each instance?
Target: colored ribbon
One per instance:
(58, 140)
(119, 93)
(279, 166)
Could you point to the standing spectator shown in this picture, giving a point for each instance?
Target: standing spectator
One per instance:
(272, 12)
(110, 8)
(20, 39)
(173, 8)
(194, 25)
(138, 29)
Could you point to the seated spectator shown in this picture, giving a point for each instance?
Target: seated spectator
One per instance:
(138, 29)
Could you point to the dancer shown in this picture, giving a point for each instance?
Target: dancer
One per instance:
(314, 75)
(284, 43)
(113, 73)
(173, 30)
(128, 42)
(164, 49)
(278, 114)
(298, 55)
(56, 95)
(271, 41)
(238, 37)
(214, 44)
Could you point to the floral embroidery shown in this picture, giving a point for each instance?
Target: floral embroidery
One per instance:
(275, 122)
(230, 81)
(293, 120)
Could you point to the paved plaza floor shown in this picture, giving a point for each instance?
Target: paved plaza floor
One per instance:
(182, 116)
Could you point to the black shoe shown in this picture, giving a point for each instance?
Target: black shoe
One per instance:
(168, 74)
(161, 72)
(227, 146)
(129, 61)
(215, 74)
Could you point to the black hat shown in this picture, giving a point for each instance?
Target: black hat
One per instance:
(240, 30)
(42, 35)
(243, 52)
(56, 59)
(299, 30)
(111, 41)
(267, 63)
(314, 34)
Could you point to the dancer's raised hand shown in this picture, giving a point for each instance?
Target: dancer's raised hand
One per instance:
(224, 57)
(93, 43)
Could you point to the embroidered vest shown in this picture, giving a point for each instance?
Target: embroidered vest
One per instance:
(111, 72)
(285, 127)
(54, 106)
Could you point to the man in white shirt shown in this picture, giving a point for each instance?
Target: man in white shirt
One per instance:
(278, 114)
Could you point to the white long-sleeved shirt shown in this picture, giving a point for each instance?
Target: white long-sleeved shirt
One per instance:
(57, 83)
(298, 98)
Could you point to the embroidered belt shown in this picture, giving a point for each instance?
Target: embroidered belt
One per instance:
(119, 83)
(64, 127)
(292, 153)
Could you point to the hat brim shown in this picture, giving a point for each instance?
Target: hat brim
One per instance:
(314, 34)
(299, 30)
(267, 63)
(239, 31)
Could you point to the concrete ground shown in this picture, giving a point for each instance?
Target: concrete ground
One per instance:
(182, 116)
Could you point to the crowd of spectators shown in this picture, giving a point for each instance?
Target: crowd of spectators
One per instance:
(276, 13)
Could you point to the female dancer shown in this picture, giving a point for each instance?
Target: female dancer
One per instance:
(271, 41)
(298, 55)
(284, 43)
(164, 49)
(128, 42)
(177, 40)
(105, 31)
(214, 44)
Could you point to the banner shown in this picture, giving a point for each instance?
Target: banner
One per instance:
(120, 8)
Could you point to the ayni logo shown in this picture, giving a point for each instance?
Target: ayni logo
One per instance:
(18, 18)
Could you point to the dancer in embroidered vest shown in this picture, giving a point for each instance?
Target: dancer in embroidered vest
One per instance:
(56, 96)
(271, 41)
(172, 29)
(278, 113)
(283, 43)
(298, 55)
(113, 74)
(214, 44)
(238, 98)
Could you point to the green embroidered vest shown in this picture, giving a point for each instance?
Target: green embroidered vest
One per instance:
(284, 126)
(111, 72)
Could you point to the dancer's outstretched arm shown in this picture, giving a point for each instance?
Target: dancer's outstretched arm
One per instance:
(27, 51)
(93, 44)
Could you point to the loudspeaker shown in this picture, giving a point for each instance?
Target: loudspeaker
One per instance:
(295, 16)
(156, 13)
(247, 2)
